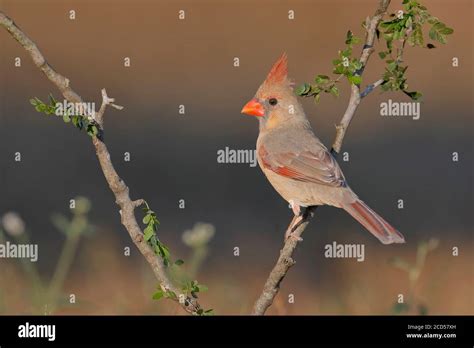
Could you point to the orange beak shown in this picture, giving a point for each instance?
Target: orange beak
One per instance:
(253, 108)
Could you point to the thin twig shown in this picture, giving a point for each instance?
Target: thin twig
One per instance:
(285, 261)
(370, 88)
(116, 184)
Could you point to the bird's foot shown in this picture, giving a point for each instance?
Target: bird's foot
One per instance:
(295, 223)
(303, 215)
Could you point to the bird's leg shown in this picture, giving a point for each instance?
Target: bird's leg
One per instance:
(295, 207)
(301, 215)
(289, 230)
(297, 219)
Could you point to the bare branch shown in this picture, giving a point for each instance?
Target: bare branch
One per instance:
(370, 88)
(285, 261)
(106, 100)
(116, 184)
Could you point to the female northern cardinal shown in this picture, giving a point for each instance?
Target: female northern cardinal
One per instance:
(297, 164)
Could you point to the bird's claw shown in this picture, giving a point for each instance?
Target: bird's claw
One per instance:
(303, 215)
(290, 232)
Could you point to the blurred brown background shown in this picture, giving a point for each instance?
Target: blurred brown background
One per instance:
(173, 156)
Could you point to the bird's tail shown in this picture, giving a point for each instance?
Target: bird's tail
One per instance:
(374, 223)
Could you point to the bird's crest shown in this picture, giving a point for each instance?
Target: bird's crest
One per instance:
(279, 71)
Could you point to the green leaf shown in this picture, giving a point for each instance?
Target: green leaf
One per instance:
(392, 66)
(351, 39)
(349, 36)
(66, 118)
(303, 89)
(439, 31)
(170, 294)
(334, 91)
(355, 79)
(147, 219)
(382, 55)
(414, 95)
(321, 79)
(52, 101)
(347, 52)
(178, 262)
(148, 232)
(92, 130)
(408, 22)
(338, 70)
(446, 31)
(416, 38)
(159, 294)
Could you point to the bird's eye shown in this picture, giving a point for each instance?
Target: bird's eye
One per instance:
(273, 101)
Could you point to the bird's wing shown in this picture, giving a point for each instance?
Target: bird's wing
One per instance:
(316, 166)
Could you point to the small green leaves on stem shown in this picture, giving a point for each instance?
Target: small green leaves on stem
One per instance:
(395, 80)
(48, 109)
(193, 287)
(351, 39)
(149, 234)
(322, 84)
(439, 31)
(345, 65)
(413, 271)
(407, 27)
(165, 294)
(79, 121)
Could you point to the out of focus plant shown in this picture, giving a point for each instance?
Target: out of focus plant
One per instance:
(73, 228)
(47, 296)
(413, 304)
(198, 239)
(14, 227)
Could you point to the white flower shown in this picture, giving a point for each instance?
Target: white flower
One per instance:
(13, 224)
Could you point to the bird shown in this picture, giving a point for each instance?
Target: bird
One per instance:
(297, 164)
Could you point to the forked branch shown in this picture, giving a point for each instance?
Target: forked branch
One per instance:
(285, 260)
(116, 184)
